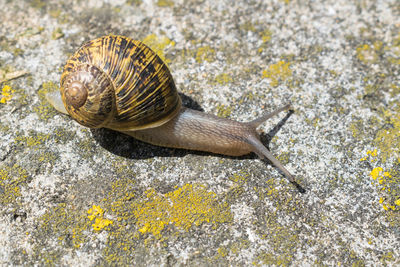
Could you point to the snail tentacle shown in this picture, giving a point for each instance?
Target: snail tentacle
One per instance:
(255, 123)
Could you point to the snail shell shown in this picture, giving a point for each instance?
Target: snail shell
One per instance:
(118, 83)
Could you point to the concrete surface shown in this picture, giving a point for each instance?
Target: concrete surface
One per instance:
(71, 196)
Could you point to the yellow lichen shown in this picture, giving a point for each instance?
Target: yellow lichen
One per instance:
(387, 183)
(6, 94)
(184, 207)
(11, 179)
(373, 153)
(33, 140)
(224, 111)
(156, 215)
(278, 72)
(283, 243)
(101, 223)
(96, 213)
(205, 53)
(375, 172)
(159, 45)
(66, 224)
(266, 36)
(223, 78)
(44, 110)
(222, 252)
(165, 3)
(394, 89)
(387, 258)
(134, 2)
(247, 26)
(388, 138)
(368, 54)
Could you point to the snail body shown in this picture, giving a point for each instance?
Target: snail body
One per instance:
(119, 83)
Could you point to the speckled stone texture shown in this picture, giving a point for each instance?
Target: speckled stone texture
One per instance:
(72, 196)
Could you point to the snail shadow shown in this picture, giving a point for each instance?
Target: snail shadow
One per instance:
(266, 139)
(126, 146)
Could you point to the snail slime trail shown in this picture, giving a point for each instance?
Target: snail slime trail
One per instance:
(119, 83)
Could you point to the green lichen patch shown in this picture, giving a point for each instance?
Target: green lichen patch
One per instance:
(47, 157)
(64, 227)
(376, 51)
(369, 54)
(224, 111)
(134, 2)
(223, 78)
(394, 90)
(37, 145)
(11, 180)
(388, 258)
(4, 128)
(238, 188)
(123, 239)
(66, 224)
(228, 251)
(205, 53)
(86, 147)
(283, 241)
(278, 73)
(38, 4)
(44, 110)
(13, 95)
(387, 138)
(258, 27)
(165, 3)
(33, 141)
(248, 26)
(62, 135)
(55, 13)
(265, 36)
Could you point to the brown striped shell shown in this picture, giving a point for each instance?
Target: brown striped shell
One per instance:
(118, 83)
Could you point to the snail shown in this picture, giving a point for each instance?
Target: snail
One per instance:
(119, 83)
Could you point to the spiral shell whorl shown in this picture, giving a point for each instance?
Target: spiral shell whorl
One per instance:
(88, 95)
(144, 93)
